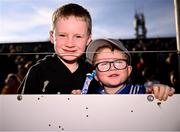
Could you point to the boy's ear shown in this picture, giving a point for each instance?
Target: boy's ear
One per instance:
(51, 35)
(129, 70)
(89, 40)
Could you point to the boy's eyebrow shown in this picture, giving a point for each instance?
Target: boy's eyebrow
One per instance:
(81, 34)
(107, 59)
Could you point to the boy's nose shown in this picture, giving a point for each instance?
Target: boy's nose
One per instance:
(112, 67)
(70, 43)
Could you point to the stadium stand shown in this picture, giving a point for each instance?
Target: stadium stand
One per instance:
(154, 59)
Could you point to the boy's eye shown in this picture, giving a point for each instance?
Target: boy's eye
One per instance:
(78, 36)
(118, 61)
(61, 35)
(103, 63)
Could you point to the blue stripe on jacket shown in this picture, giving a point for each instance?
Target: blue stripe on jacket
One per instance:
(127, 89)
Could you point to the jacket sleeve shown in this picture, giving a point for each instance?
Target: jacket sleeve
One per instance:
(31, 83)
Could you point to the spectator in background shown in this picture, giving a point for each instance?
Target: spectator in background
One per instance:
(23, 68)
(174, 80)
(149, 75)
(12, 83)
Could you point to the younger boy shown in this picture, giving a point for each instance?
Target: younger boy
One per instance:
(112, 63)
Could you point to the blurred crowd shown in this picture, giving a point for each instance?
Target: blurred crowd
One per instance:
(154, 60)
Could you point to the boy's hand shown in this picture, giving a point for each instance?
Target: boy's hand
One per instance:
(78, 91)
(160, 91)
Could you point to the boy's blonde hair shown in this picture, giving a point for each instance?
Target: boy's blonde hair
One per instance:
(72, 10)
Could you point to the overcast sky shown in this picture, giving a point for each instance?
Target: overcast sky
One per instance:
(30, 20)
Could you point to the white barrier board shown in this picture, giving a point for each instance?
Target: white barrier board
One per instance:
(89, 113)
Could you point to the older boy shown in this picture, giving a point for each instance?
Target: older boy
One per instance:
(112, 63)
(65, 70)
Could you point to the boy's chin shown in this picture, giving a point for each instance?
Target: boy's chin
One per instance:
(69, 59)
(115, 85)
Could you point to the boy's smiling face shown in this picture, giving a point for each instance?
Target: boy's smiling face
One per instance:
(70, 37)
(112, 78)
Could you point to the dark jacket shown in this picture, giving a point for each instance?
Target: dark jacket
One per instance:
(51, 76)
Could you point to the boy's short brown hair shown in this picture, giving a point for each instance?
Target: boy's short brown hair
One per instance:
(72, 10)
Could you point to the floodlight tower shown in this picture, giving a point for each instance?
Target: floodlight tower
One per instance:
(140, 25)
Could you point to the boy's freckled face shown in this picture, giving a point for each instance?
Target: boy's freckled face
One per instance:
(70, 37)
(113, 77)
